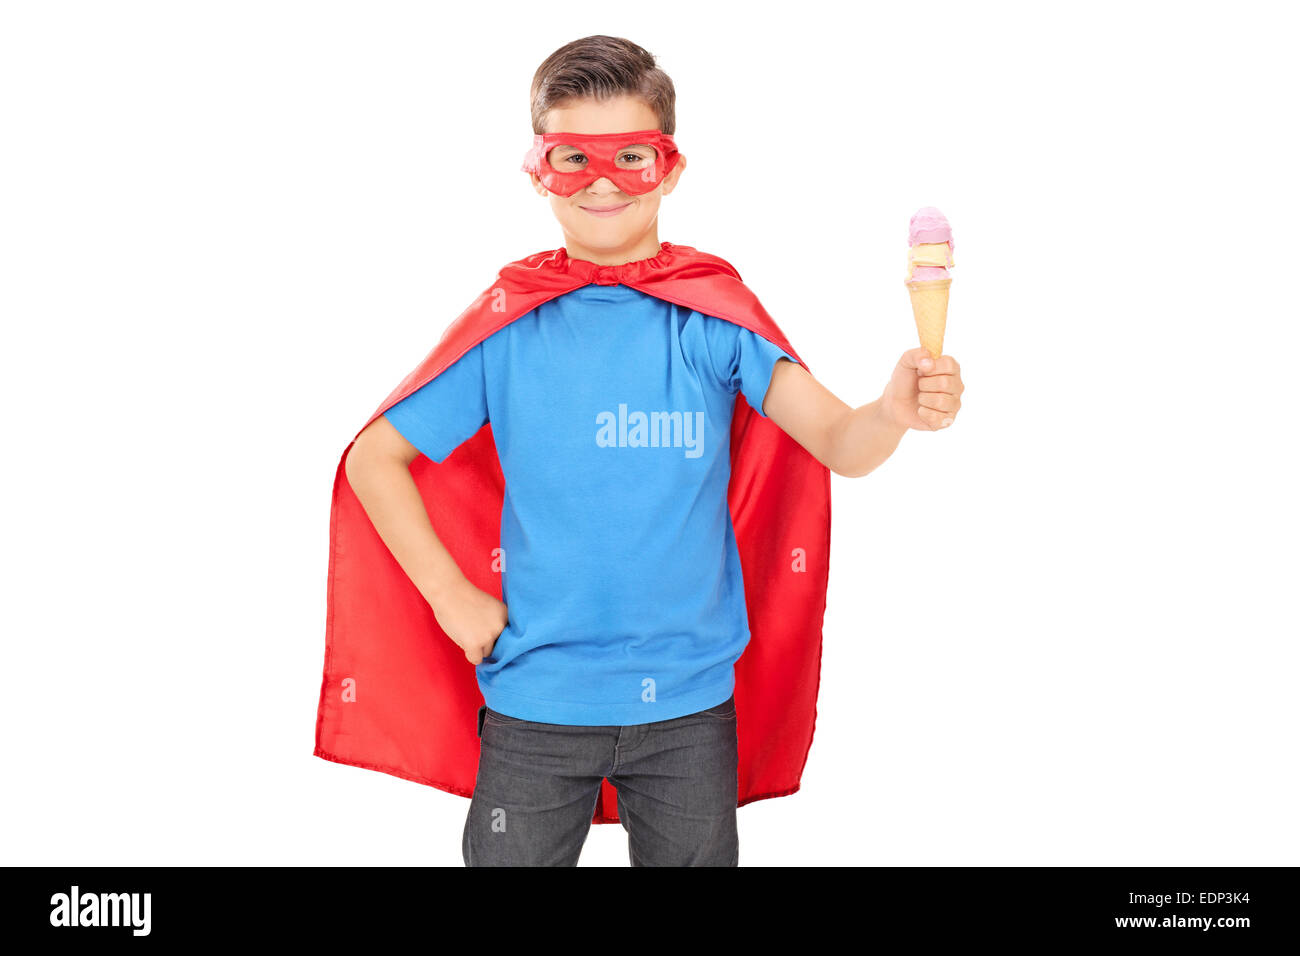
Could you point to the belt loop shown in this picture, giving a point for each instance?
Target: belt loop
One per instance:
(482, 712)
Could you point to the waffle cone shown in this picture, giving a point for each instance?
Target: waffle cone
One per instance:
(930, 309)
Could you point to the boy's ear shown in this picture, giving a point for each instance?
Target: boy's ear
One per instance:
(670, 181)
(537, 184)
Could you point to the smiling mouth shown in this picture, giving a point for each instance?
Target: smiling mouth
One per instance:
(605, 210)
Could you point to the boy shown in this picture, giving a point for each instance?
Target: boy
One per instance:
(616, 415)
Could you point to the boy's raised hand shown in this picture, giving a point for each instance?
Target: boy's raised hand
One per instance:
(472, 618)
(923, 393)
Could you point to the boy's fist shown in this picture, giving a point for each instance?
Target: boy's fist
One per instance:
(472, 618)
(923, 393)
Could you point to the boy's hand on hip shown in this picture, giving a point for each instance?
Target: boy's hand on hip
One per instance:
(472, 618)
(923, 393)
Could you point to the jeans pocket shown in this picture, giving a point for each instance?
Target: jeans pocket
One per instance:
(496, 717)
(723, 711)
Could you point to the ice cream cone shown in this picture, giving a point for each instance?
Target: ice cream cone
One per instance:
(930, 309)
(929, 257)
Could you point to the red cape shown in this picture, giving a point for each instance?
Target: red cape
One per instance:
(399, 696)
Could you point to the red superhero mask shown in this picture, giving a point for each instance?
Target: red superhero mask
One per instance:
(634, 162)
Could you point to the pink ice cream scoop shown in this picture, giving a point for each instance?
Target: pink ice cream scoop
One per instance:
(927, 233)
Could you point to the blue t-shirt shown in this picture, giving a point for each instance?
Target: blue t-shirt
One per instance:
(611, 412)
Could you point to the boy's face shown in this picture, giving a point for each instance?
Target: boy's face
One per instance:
(601, 218)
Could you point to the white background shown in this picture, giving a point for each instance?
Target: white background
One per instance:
(1060, 632)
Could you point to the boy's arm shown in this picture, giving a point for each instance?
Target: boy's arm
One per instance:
(378, 469)
(852, 442)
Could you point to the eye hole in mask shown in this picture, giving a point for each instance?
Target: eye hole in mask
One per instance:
(570, 159)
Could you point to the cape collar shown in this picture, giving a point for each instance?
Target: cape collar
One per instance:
(629, 272)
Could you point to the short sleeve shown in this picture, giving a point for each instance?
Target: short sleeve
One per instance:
(743, 359)
(446, 411)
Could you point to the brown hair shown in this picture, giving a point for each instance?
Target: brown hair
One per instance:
(603, 68)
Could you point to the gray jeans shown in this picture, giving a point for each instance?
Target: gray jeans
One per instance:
(537, 787)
